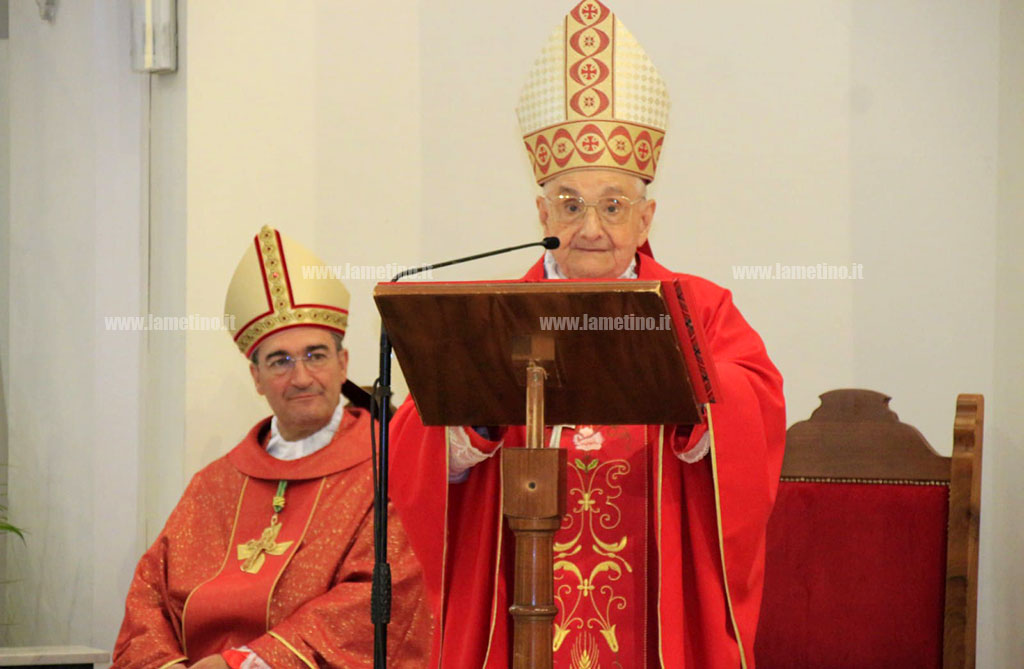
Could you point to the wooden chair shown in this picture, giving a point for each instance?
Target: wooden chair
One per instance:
(872, 547)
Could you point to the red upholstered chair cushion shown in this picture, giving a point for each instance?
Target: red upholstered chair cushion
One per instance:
(855, 576)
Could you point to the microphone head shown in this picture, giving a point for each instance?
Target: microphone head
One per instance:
(551, 243)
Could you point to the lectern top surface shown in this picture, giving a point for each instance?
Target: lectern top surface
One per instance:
(611, 350)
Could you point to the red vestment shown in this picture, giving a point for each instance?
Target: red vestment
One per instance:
(708, 518)
(305, 602)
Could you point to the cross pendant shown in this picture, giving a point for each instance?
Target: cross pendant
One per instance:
(254, 552)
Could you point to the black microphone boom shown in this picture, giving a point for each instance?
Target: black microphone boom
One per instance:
(380, 600)
(549, 243)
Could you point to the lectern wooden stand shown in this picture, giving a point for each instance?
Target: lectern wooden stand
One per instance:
(579, 352)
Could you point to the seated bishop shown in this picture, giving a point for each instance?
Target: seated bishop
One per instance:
(659, 560)
(267, 559)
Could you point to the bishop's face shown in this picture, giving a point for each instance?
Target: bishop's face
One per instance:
(300, 371)
(596, 244)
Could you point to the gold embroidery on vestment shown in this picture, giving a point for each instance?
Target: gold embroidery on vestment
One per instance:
(585, 653)
(596, 487)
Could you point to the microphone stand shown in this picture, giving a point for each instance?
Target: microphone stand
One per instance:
(380, 600)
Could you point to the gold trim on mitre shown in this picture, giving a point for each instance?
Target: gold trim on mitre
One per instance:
(279, 284)
(593, 99)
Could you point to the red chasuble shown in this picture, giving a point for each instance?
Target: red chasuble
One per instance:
(675, 545)
(294, 585)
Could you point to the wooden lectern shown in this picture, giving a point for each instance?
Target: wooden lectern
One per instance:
(579, 352)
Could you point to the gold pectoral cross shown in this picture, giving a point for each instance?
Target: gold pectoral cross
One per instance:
(254, 552)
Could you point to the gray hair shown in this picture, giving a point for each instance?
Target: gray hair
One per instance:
(339, 341)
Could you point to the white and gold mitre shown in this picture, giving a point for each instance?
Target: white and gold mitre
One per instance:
(280, 284)
(593, 99)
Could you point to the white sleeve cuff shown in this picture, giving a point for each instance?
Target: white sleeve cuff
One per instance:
(462, 455)
(699, 450)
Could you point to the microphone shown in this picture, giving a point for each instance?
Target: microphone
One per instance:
(380, 600)
(549, 243)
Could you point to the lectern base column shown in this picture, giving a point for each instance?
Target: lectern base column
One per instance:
(533, 612)
(534, 485)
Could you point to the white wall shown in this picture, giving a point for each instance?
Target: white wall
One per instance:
(886, 134)
(5, 182)
(925, 143)
(75, 256)
(162, 468)
(1002, 587)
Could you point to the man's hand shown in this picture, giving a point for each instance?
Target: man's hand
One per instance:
(210, 662)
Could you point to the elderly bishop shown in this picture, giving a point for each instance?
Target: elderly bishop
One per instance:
(659, 560)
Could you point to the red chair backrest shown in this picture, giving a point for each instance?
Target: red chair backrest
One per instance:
(872, 547)
(855, 576)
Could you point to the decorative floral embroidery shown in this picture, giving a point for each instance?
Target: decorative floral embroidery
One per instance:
(589, 599)
(587, 438)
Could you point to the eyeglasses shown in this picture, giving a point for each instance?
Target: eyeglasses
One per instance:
(285, 364)
(571, 208)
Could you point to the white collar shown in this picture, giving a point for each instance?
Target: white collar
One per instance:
(283, 449)
(553, 271)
